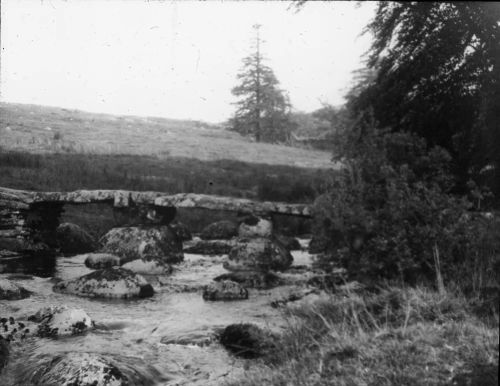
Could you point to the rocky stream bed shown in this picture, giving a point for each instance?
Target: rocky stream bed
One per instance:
(169, 338)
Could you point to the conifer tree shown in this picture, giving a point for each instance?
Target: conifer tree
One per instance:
(262, 109)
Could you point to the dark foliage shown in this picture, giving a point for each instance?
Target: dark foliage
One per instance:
(391, 214)
(437, 67)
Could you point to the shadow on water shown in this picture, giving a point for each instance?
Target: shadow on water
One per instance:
(38, 265)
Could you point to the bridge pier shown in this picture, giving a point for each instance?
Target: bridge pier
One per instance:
(134, 215)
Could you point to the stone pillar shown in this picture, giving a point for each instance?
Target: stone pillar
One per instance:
(28, 229)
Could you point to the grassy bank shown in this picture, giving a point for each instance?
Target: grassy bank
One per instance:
(61, 172)
(399, 336)
(43, 129)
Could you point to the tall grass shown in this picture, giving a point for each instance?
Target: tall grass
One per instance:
(60, 172)
(399, 336)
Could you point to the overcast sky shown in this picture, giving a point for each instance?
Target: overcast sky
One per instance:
(174, 59)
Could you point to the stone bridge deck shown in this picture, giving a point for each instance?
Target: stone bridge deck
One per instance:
(21, 199)
(28, 220)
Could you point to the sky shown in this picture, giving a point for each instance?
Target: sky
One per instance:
(171, 58)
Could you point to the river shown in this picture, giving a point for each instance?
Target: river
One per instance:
(164, 340)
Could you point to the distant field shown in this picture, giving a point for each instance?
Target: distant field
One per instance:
(41, 129)
(53, 149)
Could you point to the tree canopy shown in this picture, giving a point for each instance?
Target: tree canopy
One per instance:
(262, 109)
(437, 74)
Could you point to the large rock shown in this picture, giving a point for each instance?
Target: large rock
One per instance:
(107, 283)
(102, 260)
(259, 255)
(12, 330)
(225, 290)
(148, 266)
(181, 230)
(247, 340)
(221, 230)
(252, 279)
(290, 243)
(318, 244)
(209, 247)
(79, 369)
(61, 321)
(132, 243)
(74, 240)
(255, 227)
(12, 291)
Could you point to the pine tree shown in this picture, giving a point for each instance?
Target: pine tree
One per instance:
(263, 109)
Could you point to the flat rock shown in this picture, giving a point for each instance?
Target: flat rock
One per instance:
(10, 290)
(225, 290)
(101, 260)
(198, 246)
(251, 279)
(148, 267)
(200, 339)
(79, 369)
(107, 283)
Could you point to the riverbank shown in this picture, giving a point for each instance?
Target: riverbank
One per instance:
(400, 336)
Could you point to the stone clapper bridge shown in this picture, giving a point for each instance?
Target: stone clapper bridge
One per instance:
(28, 219)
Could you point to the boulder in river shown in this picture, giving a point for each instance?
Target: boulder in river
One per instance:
(79, 369)
(101, 260)
(61, 320)
(181, 230)
(15, 330)
(209, 247)
(9, 290)
(252, 279)
(148, 266)
(247, 340)
(255, 227)
(225, 290)
(259, 254)
(290, 243)
(220, 230)
(113, 282)
(73, 240)
(132, 243)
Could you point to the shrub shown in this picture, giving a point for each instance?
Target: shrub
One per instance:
(390, 213)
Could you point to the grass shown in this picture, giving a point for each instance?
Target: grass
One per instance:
(44, 129)
(399, 336)
(70, 171)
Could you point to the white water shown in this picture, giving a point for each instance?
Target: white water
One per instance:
(138, 334)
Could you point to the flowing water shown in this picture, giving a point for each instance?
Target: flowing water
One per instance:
(167, 339)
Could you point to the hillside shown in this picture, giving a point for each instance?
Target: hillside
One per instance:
(41, 129)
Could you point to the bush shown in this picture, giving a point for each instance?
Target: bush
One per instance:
(390, 213)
